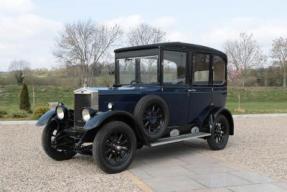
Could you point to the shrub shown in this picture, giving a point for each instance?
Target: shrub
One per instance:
(19, 114)
(39, 111)
(2, 113)
(24, 99)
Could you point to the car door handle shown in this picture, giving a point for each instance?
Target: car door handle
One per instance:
(191, 90)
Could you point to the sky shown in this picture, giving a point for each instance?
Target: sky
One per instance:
(28, 28)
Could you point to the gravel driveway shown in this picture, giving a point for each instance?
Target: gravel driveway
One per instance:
(25, 167)
(259, 144)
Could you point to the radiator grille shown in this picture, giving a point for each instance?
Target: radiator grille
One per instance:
(81, 101)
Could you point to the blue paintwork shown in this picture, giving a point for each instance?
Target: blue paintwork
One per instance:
(184, 106)
(125, 98)
(46, 117)
(100, 117)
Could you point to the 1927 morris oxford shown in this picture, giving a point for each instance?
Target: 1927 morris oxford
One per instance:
(163, 93)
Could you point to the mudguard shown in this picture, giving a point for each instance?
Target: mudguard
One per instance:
(228, 114)
(43, 120)
(98, 120)
(101, 117)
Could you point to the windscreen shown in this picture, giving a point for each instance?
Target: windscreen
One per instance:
(146, 66)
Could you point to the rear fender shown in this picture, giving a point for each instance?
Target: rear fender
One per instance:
(44, 119)
(228, 115)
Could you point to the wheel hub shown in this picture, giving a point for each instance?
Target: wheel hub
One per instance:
(218, 132)
(117, 148)
(152, 117)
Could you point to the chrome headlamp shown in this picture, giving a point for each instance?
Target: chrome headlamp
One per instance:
(110, 106)
(60, 111)
(87, 113)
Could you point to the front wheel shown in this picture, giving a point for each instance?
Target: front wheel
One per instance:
(114, 147)
(219, 133)
(56, 143)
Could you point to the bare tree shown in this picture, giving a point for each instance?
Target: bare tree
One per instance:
(145, 34)
(19, 68)
(279, 53)
(244, 54)
(84, 44)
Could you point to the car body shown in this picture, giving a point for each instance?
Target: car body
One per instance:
(163, 93)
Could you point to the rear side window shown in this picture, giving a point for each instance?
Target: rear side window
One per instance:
(218, 70)
(174, 67)
(201, 64)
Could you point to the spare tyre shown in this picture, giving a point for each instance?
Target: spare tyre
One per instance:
(152, 115)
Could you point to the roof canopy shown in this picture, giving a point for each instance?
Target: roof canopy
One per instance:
(173, 46)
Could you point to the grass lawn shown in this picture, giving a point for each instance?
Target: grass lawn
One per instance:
(253, 99)
(9, 98)
(257, 100)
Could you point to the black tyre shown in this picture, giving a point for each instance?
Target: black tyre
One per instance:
(56, 143)
(152, 114)
(114, 147)
(219, 134)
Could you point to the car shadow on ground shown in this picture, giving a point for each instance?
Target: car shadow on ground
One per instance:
(169, 151)
(160, 153)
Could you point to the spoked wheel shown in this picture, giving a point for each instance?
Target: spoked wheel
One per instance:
(219, 134)
(57, 144)
(114, 147)
(153, 119)
(152, 114)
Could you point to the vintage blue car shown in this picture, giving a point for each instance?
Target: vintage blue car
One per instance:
(163, 93)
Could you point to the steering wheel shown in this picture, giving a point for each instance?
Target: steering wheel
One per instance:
(180, 82)
(133, 82)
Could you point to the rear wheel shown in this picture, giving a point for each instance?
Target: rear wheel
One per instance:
(114, 147)
(219, 133)
(56, 143)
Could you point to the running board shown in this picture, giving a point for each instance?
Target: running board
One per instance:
(179, 138)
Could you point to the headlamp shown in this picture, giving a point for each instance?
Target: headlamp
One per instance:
(60, 111)
(87, 113)
(110, 106)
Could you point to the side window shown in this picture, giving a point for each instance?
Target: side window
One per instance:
(201, 69)
(148, 69)
(174, 67)
(218, 70)
(127, 70)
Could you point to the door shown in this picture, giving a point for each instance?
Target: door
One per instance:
(200, 90)
(174, 85)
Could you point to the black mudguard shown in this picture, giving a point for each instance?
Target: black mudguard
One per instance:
(96, 122)
(44, 119)
(101, 117)
(228, 115)
(215, 111)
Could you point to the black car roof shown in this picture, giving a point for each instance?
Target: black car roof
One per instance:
(174, 46)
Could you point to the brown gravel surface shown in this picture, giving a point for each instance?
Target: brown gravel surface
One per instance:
(25, 167)
(259, 144)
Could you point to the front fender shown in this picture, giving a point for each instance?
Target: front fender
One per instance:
(101, 117)
(95, 123)
(43, 120)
